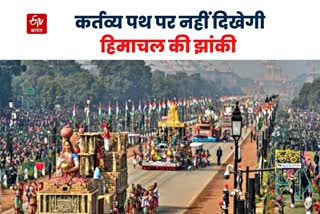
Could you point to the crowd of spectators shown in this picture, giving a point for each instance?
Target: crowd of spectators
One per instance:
(28, 135)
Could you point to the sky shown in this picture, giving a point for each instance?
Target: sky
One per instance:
(253, 69)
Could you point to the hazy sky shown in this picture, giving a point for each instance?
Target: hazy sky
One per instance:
(257, 68)
(249, 68)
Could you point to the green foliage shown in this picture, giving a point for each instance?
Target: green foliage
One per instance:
(8, 69)
(123, 79)
(309, 96)
(66, 82)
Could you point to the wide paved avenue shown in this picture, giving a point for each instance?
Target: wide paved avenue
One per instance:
(178, 189)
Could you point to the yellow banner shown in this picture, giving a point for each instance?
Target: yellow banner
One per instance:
(287, 156)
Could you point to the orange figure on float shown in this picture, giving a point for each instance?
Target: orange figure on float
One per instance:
(106, 135)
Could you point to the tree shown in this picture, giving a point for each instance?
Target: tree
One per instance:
(125, 79)
(67, 83)
(309, 96)
(8, 69)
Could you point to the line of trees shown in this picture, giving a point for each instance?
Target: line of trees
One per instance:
(309, 96)
(8, 70)
(65, 82)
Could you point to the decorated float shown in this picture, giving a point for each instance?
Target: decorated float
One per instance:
(169, 151)
(89, 178)
(225, 121)
(206, 125)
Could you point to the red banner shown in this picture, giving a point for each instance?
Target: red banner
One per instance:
(39, 165)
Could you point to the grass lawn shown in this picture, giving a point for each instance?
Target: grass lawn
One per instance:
(298, 208)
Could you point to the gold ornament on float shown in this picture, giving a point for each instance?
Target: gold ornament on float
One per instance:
(65, 165)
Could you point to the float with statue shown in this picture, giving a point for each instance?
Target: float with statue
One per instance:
(224, 124)
(169, 150)
(91, 175)
(206, 129)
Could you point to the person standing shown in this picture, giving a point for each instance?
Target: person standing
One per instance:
(219, 155)
(115, 205)
(156, 195)
(316, 170)
(292, 191)
(20, 187)
(222, 207)
(5, 180)
(106, 135)
(10, 174)
(50, 168)
(26, 174)
(134, 161)
(225, 199)
(140, 148)
(130, 203)
(33, 200)
(145, 203)
(279, 204)
(35, 174)
(308, 204)
(240, 178)
(17, 202)
(14, 175)
(316, 158)
(27, 191)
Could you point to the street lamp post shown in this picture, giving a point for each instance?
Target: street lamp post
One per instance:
(236, 134)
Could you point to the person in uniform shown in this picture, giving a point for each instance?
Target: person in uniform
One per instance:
(219, 155)
(225, 199)
(223, 207)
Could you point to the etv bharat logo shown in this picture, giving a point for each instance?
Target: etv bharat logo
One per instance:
(36, 23)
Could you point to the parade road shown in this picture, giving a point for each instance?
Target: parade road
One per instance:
(179, 189)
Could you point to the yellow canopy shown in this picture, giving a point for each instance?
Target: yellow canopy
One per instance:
(172, 120)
